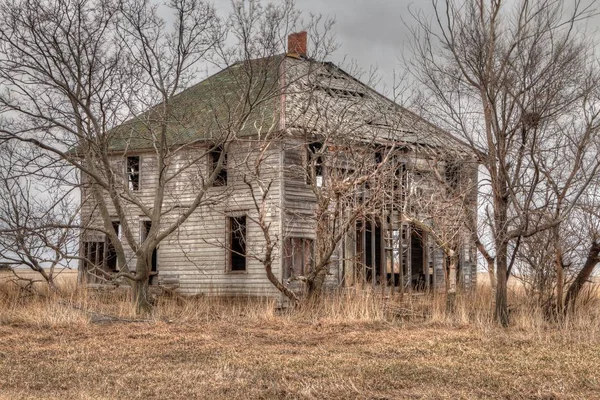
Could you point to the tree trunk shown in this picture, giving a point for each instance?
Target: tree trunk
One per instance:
(492, 275)
(560, 273)
(501, 310)
(314, 283)
(451, 289)
(590, 263)
(281, 287)
(141, 294)
(143, 303)
(560, 283)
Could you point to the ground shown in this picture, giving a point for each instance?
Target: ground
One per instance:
(80, 344)
(283, 359)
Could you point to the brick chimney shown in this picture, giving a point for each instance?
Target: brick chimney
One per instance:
(297, 43)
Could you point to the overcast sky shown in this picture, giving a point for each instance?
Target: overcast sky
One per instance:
(372, 32)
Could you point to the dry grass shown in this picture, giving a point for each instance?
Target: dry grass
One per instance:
(355, 344)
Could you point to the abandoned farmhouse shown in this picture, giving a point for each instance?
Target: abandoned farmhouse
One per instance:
(294, 157)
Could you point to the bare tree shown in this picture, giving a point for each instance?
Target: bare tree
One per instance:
(511, 79)
(76, 70)
(95, 84)
(38, 219)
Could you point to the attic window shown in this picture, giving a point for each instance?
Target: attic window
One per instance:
(133, 172)
(214, 156)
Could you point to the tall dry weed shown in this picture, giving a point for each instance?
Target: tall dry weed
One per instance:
(73, 304)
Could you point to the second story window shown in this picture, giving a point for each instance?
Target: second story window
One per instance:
(215, 155)
(452, 175)
(315, 163)
(133, 172)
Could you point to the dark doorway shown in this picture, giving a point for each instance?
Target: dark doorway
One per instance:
(417, 259)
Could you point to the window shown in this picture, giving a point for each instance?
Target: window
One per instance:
(111, 253)
(452, 173)
(401, 176)
(94, 255)
(237, 243)
(215, 155)
(378, 157)
(133, 172)
(297, 257)
(315, 162)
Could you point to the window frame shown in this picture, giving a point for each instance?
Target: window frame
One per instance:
(134, 187)
(214, 154)
(289, 252)
(229, 251)
(453, 175)
(315, 174)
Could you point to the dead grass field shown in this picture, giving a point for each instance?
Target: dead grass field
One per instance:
(54, 348)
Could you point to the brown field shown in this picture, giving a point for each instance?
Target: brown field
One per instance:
(88, 345)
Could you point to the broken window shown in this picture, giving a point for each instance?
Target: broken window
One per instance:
(94, 255)
(315, 162)
(379, 157)
(133, 172)
(297, 257)
(401, 176)
(452, 174)
(111, 253)
(216, 154)
(237, 243)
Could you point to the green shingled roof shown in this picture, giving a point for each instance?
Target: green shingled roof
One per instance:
(242, 100)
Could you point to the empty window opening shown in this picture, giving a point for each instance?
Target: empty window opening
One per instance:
(401, 177)
(417, 259)
(315, 162)
(379, 157)
(94, 255)
(111, 252)
(133, 172)
(237, 243)
(216, 154)
(145, 227)
(452, 174)
(298, 256)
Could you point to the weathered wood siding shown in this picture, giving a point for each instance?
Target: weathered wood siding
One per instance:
(195, 255)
